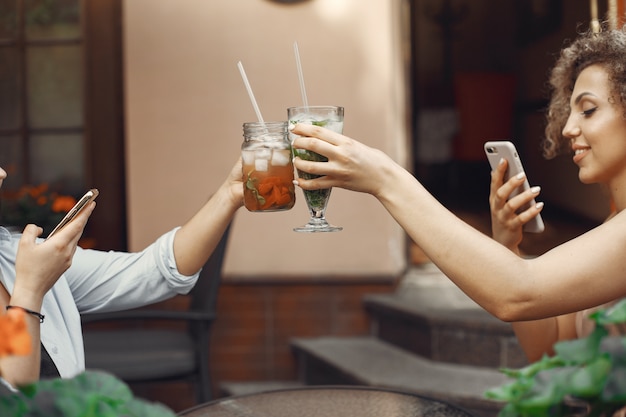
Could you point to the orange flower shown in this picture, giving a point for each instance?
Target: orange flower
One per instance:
(14, 336)
(37, 204)
(63, 203)
(38, 190)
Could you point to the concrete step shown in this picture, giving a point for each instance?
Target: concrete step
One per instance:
(430, 316)
(372, 362)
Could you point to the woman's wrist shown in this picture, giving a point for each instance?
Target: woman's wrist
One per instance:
(40, 317)
(230, 195)
(394, 183)
(26, 299)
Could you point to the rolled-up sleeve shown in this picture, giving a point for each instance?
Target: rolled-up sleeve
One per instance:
(109, 281)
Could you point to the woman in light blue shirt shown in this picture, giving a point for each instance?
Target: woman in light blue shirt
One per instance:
(57, 281)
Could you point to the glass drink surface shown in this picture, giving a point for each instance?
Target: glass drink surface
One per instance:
(267, 167)
(329, 117)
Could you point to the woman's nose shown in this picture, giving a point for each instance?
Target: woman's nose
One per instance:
(571, 129)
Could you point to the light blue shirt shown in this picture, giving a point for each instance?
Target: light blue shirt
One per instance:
(97, 281)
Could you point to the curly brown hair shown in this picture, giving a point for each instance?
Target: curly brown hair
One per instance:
(606, 48)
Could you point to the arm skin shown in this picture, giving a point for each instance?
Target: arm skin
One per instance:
(38, 267)
(584, 272)
(195, 240)
(536, 337)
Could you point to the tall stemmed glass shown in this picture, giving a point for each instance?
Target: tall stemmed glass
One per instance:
(330, 117)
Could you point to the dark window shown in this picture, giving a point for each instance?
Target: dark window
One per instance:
(61, 104)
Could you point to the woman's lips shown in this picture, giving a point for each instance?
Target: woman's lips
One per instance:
(579, 154)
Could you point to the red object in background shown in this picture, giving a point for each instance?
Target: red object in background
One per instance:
(485, 104)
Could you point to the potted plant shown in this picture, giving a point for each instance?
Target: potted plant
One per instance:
(89, 394)
(36, 204)
(586, 376)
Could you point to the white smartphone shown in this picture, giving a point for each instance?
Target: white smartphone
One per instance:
(496, 150)
(82, 203)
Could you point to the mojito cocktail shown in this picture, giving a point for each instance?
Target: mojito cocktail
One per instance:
(329, 117)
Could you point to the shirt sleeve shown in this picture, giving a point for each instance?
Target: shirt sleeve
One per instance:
(110, 281)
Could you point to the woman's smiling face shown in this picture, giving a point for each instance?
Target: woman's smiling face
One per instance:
(596, 128)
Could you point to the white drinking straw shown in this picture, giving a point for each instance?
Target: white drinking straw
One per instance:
(250, 93)
(300, 76)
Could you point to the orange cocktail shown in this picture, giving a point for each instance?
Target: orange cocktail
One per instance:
(269, 190)
(267, 167)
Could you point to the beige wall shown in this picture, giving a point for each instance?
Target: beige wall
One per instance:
(185, 104)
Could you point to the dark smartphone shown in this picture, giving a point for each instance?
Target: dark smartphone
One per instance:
(82, 203)
(496, 150)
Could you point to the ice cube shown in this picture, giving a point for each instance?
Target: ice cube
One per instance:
(261, 164)
(263, 153)
(335, 126)
(310, 120)
(248, 157)
(281, 157)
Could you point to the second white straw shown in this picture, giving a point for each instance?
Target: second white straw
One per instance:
(250, 93)
(305, 102)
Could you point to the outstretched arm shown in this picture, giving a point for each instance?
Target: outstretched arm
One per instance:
(196, 239)
(582, 273)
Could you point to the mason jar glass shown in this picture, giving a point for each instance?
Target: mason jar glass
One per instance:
(267, 167)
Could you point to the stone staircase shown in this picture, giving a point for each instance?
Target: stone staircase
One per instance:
(427, 337)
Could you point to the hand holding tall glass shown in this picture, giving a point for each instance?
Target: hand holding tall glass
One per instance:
(329, 117)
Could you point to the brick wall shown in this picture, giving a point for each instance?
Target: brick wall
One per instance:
(250, 339)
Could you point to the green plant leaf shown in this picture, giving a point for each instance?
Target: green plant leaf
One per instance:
(510, 392)
(580, 351)
(13, 405)
(546, 362)
(90, 394)
(612, 315)
(586, 375)
(588, 381)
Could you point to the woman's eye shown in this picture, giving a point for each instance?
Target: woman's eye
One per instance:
(589, 112)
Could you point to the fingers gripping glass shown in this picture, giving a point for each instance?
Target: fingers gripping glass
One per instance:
(330, 117)
(78, 207)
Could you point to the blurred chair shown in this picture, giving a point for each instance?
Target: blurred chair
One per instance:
(152, 354)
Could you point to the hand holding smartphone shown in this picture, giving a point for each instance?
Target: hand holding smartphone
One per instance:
(496, 150)
(78, 207)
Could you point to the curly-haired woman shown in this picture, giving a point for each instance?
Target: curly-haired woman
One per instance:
(545, 297)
